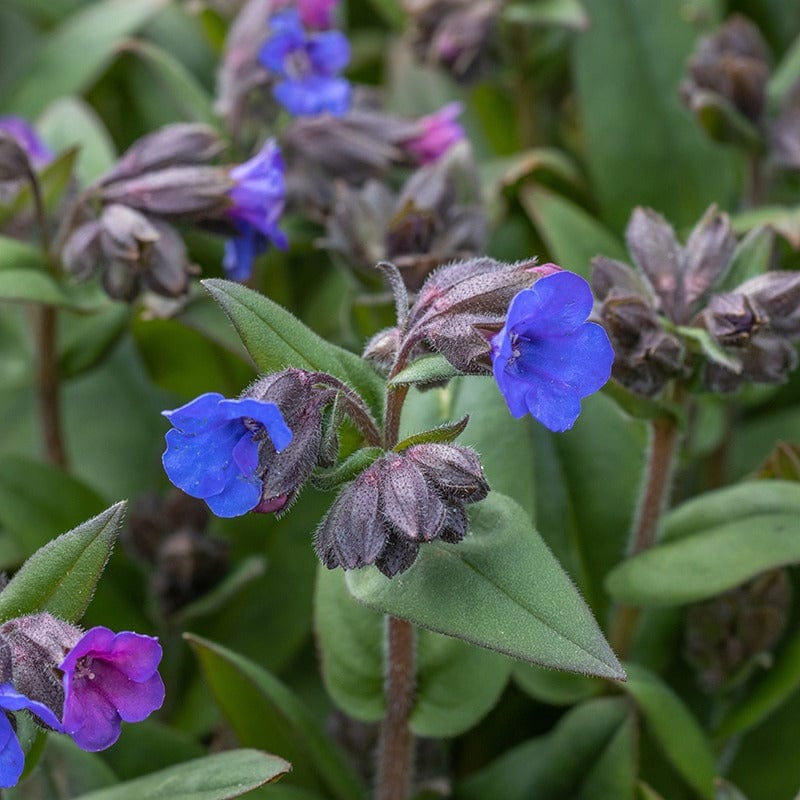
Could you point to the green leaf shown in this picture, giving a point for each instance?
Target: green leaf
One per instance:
(708, 563)
(428, 369)
(276, 340)
(85, 340)
(77, 51)
(676, 730)
(751, 257)
(642, 147)
(190, 98)
(347, 470)
(767, 695)
(747, 499)
(785, 75)
(784, 221)
(70, 122)
(264, 713)
(571, 234)
(37, 499)
(215, 777)
(706, 343)
(457, 684)
(501, 588)
(27, 285)
(17, 255)
(723, 122)
(442, 433)
(590, 755)
(547, 13)
(61, 576)
(391, 11)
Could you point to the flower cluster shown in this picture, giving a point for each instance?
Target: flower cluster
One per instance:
(307, 66)
(84, 684)
(399, 502)
(674, 316)
(163, 179)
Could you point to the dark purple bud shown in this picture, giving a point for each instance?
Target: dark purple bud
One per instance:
(708, 254)
(609, 275)
(778, 294)
(353, 532)
(14, 164)
(454, 34)
(398, 555)
(409, 504)
(455, 526)
(37, 645)
(454, 471)
(192, 192)
(175, 145)
(655, 250)
(733, 63)
(725, 634)
(37, 153)
(82, 252)
(732, 319)
(766, 358)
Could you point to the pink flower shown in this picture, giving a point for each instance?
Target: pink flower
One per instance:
(316, 14)
(438, 133)
(109, 678)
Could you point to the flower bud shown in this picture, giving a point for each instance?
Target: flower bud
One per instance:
(14, 164)
(37, 645)
(21, 148)
(454, 471)
(778, 294)
(734, 63)
(171, 146)
(727, 635)
(182, 192)
(382, 348)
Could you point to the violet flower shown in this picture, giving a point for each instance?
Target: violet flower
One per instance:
(258, 199)
(212, 451)
(25, 134)
(547, 356)
(12, 759)
(438, 133)
(307, 65)
(109, 678)
(317, 14)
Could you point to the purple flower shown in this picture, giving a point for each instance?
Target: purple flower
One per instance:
(547, 356)
(109, 677)
(27, 138)
(438, 133)
(258, 199)
(12, 758)
(212, 451)
(308, 64)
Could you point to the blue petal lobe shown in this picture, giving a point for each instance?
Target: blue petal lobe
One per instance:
(553, 306)
(267, 414)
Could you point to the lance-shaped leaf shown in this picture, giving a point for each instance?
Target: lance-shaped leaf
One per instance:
(501, 588)
(276, 339)
(714, 543)
(61, 576)
(264, 713)
(216, 777)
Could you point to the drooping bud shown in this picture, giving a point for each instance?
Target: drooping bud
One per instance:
(14, 164)
(382, 348)
(778, 294)
(730, 634)
(732, 63)
(399, 502)
(37, 644)
(36, 153)
(453, 34)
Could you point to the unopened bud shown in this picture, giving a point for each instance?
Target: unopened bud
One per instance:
(455, 471)
(382, 348)
(14, 164)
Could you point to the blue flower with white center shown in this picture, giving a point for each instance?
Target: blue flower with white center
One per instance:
(258, 197)
(547, 356)
(212, 450)
(12, 759)
(307, 64)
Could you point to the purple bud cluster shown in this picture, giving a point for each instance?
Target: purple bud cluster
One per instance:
(83, 684)
(163, 179)
(399, 502)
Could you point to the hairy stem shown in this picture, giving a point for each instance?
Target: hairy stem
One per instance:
(48, 385)
(355, 408)
(395, 753)
(658, 480)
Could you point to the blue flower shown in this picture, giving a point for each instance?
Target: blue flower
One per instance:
(25, 134)
(547, 356)
(308, 64)
(212, 450)
(12, 758)
(258, 198)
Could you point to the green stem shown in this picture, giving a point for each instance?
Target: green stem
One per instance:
(395, 752)
(664, 435)
(48, 385)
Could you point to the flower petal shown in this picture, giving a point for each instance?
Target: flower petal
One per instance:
(12, 700)
(132, 700)
(553, 306)
(556, 405)
(239, 496)
(196, 415)
(265, 413)
(329, 52)
(12, 759)
(90, 718)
